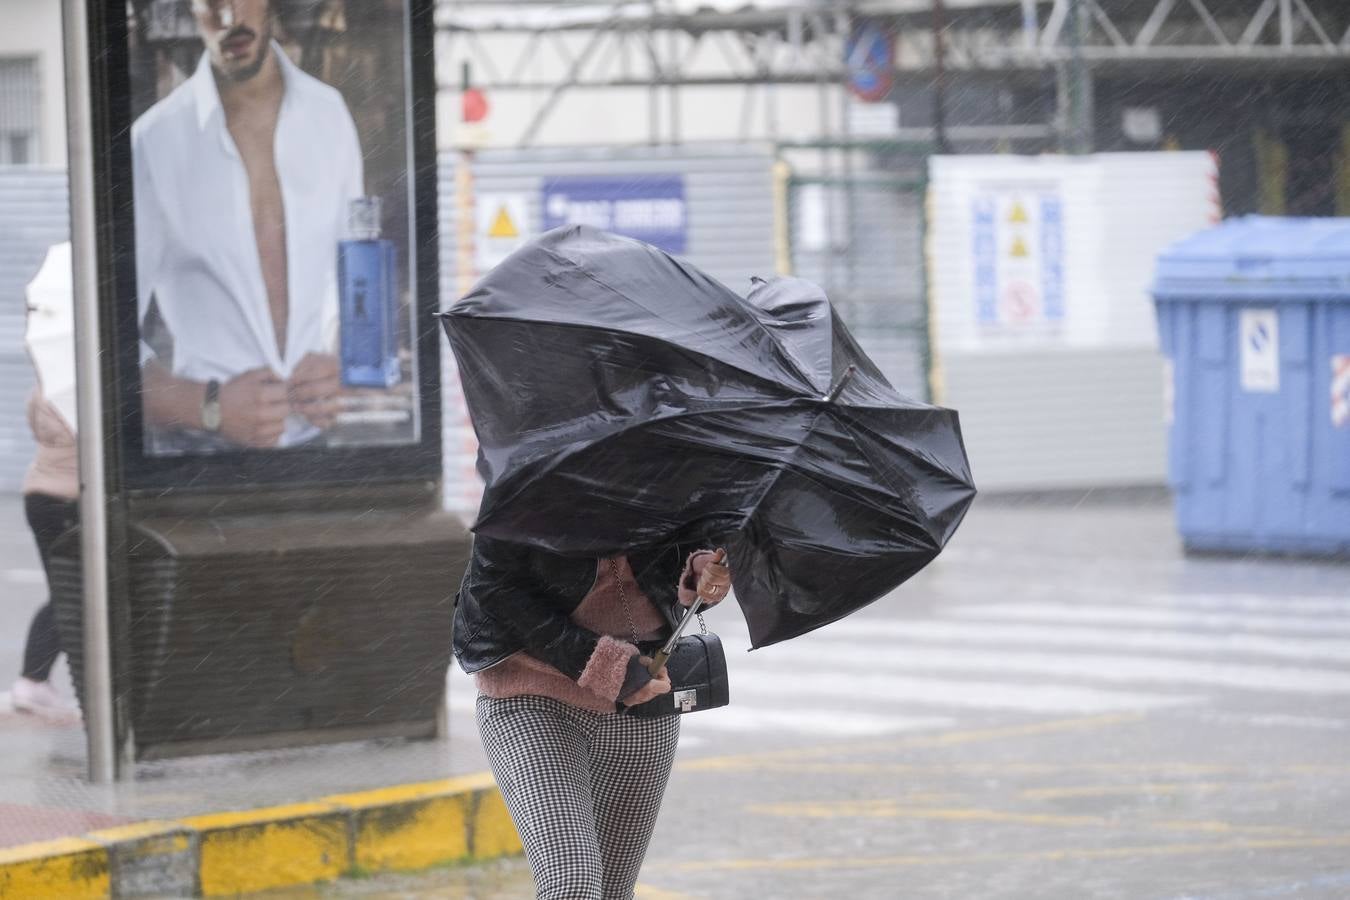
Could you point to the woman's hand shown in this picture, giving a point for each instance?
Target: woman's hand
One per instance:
(714, 578)
(660, 684)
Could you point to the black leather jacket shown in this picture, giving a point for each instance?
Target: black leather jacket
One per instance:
(515, 597)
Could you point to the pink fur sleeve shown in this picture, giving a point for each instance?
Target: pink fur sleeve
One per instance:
(605, 670)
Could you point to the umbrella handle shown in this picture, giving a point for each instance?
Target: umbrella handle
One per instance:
(658, 660)
(660, 656)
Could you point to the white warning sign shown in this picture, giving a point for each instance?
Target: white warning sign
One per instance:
(1259, 353)
(503, 227)
(1018, 249)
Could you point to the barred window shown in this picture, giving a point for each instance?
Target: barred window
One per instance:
(18, 111)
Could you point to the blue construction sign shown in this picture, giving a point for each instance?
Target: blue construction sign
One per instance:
(650, 208)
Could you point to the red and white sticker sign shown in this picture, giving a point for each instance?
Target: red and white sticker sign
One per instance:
(1340, 390)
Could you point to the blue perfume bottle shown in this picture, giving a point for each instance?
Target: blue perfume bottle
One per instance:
(368, 300)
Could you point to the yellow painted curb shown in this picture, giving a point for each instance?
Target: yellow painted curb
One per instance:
(142, 831)
(64, 869)
(257, 849)
(151, 859)
(493, 833)
(413, 826)
(408, 826)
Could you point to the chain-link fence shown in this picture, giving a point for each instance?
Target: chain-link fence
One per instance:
(859, 234)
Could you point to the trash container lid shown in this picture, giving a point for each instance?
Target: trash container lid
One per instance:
(1267, 257)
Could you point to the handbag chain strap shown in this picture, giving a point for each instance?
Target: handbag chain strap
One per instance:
(628, 613)
(623, 598)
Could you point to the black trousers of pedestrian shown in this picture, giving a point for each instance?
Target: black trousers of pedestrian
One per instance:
(49, 517)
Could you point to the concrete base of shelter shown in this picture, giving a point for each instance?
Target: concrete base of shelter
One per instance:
(410, 826)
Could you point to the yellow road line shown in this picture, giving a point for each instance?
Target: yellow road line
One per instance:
(886, 810)
(1154, 789)
(1064, 855)
(893, 809)
(647, 892)
(1025, 769)
(943, 739)
(1216, 827)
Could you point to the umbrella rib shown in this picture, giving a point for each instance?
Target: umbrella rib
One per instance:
(479, 317)
(781, 467)
(556, 460)
(927, 521)
(920, 456)
(609, 287)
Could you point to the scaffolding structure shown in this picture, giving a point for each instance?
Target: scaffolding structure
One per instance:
(666, 45)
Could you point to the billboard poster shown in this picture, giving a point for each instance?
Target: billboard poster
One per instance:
(281, 306)
(649, 208)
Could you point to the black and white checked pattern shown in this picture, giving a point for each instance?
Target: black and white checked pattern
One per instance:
(584, 790)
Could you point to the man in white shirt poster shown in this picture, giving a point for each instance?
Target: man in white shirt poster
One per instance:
(244, 175)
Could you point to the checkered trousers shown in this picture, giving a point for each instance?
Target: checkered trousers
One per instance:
(584, 790)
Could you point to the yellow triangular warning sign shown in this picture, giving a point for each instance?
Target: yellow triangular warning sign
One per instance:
(1019, 249)
(1018, 215)
(502, 226)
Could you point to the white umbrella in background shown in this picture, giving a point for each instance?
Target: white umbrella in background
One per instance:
(50, 335)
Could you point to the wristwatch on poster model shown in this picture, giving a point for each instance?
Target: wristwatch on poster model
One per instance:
(211, 406)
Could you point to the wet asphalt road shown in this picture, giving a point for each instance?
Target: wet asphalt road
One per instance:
(1064, 706)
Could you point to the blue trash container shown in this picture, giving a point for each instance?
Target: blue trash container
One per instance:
(1254, 317)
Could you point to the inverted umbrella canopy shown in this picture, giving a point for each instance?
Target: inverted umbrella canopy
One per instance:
(622, 398)
(49, 334)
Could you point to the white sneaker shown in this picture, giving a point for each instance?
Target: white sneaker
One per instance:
(40, 699)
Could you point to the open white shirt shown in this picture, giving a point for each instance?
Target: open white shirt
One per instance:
(196, 254)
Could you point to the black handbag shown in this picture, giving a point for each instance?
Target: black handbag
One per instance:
(698, 679)
(697, 667)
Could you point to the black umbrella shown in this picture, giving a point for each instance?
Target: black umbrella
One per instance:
(623, 398)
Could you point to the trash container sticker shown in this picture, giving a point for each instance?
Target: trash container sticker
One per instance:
(1340, 390)
(1259, 333)
(503, 227)
(1018, 248)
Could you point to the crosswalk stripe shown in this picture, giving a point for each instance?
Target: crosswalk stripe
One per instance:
(981, 632)
(851, 689)
(738, 718)
(1067, 613)
(1300, 603)
(841, 722)
(767, 689)
(909, 656)
(1046, 588)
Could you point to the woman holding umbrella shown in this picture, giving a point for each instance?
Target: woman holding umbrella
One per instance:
(624, 400)
(51, 488)
(559, 648)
